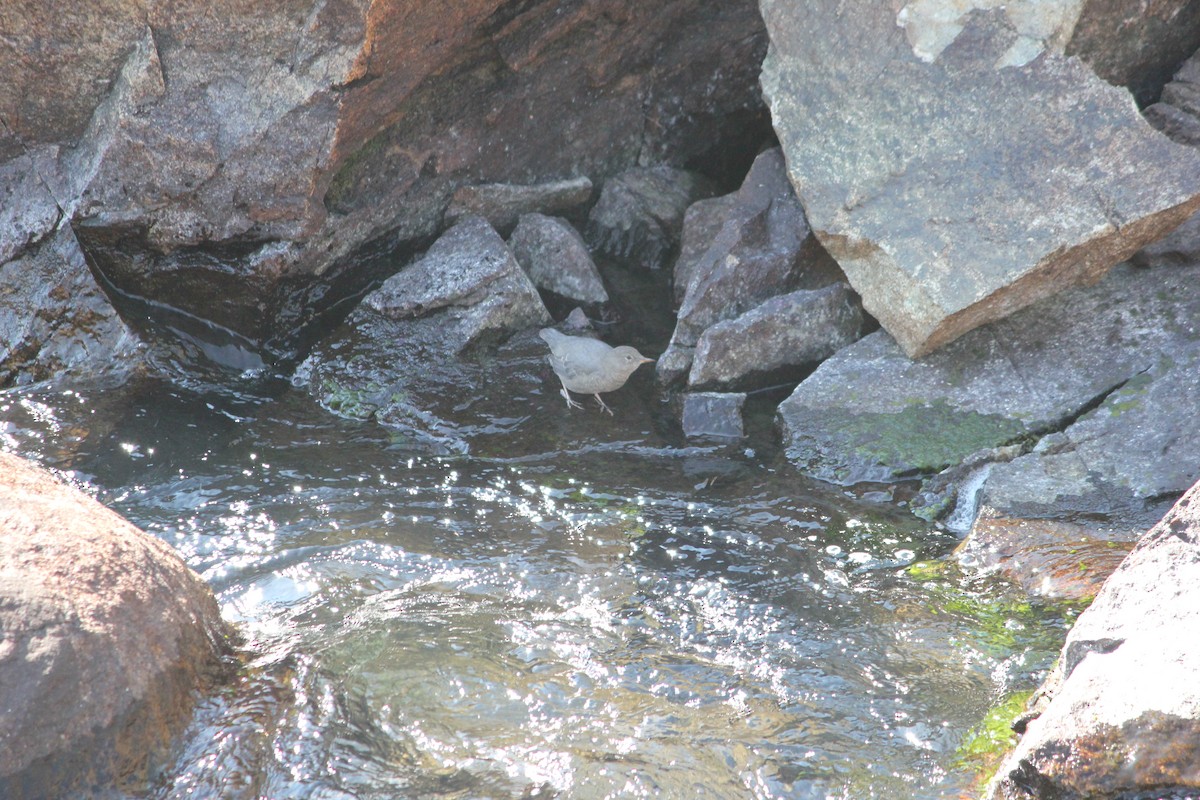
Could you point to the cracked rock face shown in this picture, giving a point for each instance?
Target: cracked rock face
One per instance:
(1120, 714)
(959, 173)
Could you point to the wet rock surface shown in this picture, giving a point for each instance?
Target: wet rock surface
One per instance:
(638, 218)
(713, 414)
(960, 172)
(1120, 714)
(1095, 387)
(556, 259)
(56, 323)
(108, 637)
(738, 251)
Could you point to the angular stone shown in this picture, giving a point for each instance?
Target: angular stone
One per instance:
(788, 331)
(108, 638)
(961, 170)
(715, 414)
(556, 258)
(869, 413)
(638, 218)
(1177, 114)
(739, 251)
(1120, 714)
(469, 267)
(503, 204)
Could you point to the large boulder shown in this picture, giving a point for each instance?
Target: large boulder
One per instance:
(254, 165)
(956, 164)
(108, 637)
(1119, 716)
(1084, 405)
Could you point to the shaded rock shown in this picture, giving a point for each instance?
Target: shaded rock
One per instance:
(108, 637)
(789, 331)
(55, 322)
(1120, 714)
(256, 166)
(717, 414)
(470, 270)
(556, 258)
(1137, 48)
(739, 251)
(1180, 247)
(503, 204)
(1117, 357)
(961, 170)
(422, 336)
(1177, 113)
(1045, 557)
(638, 218)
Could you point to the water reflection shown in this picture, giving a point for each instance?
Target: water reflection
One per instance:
(626, 621)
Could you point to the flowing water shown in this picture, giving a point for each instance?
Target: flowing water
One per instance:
(625, 619)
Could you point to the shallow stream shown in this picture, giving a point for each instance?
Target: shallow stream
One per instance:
(627, 617)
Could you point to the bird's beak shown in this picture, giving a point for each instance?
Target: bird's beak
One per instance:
(646, 360)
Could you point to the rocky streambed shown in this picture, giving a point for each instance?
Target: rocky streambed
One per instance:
(924, 311)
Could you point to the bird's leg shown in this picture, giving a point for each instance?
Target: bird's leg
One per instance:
(602, 406)
(567, 396)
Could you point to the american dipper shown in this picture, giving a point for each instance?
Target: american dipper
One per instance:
(589, 366)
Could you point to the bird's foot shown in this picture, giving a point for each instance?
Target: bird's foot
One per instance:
(570, 403)
(603, 407)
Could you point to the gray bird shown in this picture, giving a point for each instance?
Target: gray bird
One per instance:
(589, 366)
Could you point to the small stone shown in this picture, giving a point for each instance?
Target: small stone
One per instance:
(716, 414)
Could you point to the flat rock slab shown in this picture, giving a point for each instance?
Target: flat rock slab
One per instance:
(1096, 386)
(555, 257)
(1120, 714)
(958, 178)
(713, 414)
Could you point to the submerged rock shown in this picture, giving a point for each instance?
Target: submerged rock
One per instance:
(1096, 386)
(638, 218)
(503, 204)
(787, 332)
(713, 414)
(1120, 714)
(959, 170)
(556, 258)
(740, 250)
(108, 638)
